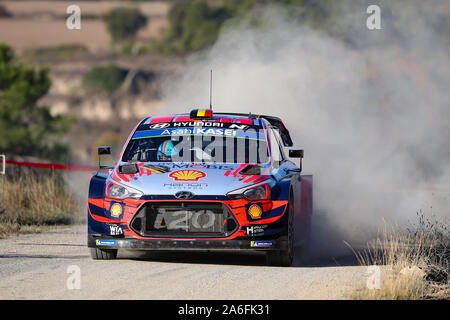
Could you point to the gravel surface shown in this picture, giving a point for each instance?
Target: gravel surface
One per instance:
(35, 267)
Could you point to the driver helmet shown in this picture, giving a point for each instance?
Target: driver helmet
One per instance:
(166, 150)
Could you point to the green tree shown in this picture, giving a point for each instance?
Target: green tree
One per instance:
(123, 23)
(194, 25)
(106, 78)
(25, 128)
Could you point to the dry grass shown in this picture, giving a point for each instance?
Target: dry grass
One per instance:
(33, 202)
(9, 229)
(414, 264)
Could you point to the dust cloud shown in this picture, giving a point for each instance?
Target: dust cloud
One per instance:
(371, 108)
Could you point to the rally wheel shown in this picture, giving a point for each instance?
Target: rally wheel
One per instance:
(285, 257)
(103, 254)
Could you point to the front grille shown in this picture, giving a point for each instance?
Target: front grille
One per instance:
(184, 219)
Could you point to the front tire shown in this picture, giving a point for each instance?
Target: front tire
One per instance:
(285, 257)
(279, 258)
(103, 254)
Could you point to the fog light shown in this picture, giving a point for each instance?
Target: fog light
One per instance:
(255, 211)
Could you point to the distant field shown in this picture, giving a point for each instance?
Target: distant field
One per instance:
(89, 7)
(41, 23)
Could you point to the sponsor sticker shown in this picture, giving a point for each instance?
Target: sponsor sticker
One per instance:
(187, 175)
(200, 131)
(256, 244)
(213, 124)
(256, 229)
(156, 168)
(255, 211)
(110, 243)
(115, 230)
(175, 165)
(186, 185)
(162, 125)
(116, 209)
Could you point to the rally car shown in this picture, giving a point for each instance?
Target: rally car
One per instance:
(202, 181)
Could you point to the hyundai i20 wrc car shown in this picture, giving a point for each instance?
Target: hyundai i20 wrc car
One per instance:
(203, 181)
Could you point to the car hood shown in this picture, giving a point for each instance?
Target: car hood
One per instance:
(201, 179)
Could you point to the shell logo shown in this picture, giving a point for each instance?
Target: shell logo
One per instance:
(187, 175)
(255, 211)
(116, 210)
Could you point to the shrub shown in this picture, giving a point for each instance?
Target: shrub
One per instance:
(124, 23)
(37, 200)
(194, 25)
(65, 51)
(106, 78)
(415, 264)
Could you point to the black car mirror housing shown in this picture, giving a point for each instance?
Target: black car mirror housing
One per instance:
(297, 153)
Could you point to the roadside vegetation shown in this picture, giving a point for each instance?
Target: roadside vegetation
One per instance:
(196, 25)
(52, 53)
(123, 24)
(28, 130)
(106, 78)
(32, 200)
(35, 203)
(414, 264)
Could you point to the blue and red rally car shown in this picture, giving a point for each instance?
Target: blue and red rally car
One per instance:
(202, 180)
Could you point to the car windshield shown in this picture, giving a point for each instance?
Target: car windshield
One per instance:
(192, 145)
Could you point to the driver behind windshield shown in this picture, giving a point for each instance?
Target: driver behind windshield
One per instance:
(166, 150)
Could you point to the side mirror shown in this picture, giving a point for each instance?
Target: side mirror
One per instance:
(297, 153)
(103, 151)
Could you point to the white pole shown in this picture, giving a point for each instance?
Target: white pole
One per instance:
(3, 164)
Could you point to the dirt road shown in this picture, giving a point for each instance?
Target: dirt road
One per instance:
(35, 267)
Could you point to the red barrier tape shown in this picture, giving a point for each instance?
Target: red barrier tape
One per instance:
(54, 166)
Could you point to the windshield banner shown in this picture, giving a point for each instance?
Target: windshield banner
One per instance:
(201, 131)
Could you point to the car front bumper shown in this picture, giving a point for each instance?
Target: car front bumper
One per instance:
(103, 242)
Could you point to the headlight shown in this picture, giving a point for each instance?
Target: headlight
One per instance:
(258, 192)
(116, 191)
